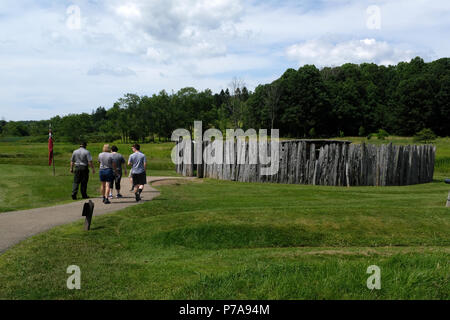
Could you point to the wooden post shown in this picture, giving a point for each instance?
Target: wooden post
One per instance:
(88, 211)
(50, 137)
(448, 201)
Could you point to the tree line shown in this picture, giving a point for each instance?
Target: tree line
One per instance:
(349, 100)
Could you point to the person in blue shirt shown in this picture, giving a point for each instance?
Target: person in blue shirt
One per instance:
(138, 162)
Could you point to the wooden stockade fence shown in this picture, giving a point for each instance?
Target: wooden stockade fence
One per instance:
(329, 163)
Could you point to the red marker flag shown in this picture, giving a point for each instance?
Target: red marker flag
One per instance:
(50, 148)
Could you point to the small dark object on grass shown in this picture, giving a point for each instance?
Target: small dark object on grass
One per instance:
(447, 181)
(88, 211)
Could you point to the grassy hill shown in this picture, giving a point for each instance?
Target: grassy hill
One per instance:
(227, 240)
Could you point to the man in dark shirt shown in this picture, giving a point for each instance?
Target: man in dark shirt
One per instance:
(81, 160)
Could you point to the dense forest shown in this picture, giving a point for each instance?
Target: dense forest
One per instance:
(308, 102)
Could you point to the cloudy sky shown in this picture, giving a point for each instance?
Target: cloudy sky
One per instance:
(59, 57)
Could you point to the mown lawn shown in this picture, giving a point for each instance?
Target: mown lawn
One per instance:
(158, 154)
(27, 186)
(227, 240)
(224, 240)
(28, 182)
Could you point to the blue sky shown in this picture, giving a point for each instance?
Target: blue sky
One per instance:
(60, 57)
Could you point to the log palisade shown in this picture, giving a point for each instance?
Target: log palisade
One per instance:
(320, 162)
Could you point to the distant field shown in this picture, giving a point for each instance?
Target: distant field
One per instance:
(16, 152)
(28, 182)
(27, 186)
(158, 154)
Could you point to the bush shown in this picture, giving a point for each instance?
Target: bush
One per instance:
(36, 139)
(312, 133)
(89, 138)
(15, 129)
(361, 131)
(101, 137)
(11, 139)
(425, 136)
(341, 134)
(382, 134)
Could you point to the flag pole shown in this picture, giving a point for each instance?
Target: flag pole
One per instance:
(50, 136)
(53, 160)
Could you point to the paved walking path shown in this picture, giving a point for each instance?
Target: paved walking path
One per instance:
(16, 226)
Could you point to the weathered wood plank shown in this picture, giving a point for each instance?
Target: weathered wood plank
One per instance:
(332, 164)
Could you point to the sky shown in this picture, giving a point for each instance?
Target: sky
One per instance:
(59, 57)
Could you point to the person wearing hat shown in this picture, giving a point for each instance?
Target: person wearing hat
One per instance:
(81, 161)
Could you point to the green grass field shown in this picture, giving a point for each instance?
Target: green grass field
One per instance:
(28, 182)
(227, 240)
(158, 154)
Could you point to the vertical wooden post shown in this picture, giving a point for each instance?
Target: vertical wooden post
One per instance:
(448, 200)
(88, 211)
(50, 137)
(53, 160)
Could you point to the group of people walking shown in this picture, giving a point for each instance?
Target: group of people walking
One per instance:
(112, 165)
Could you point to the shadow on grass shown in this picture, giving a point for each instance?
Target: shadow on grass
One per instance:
(134, 201)
(220, 236)
(97, 228)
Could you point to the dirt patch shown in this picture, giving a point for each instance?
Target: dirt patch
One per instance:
(381, 251)
(169, 182)
(323, 252)
(341, 252)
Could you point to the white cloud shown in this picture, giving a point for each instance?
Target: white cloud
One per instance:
(326, 53)
(177, 20)
(128, 11)
(145, 46)
(155, 55)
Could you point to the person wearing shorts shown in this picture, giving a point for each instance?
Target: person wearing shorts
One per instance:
(131, 180)
(119, 161)
(138, 162)
(107, 171)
